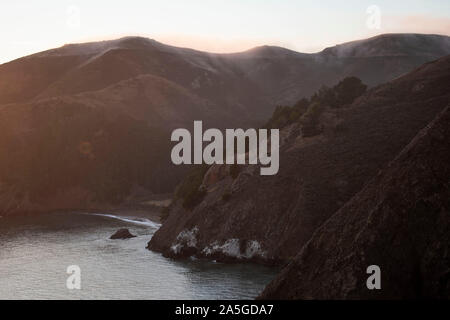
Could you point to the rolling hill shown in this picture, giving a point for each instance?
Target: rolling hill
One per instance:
(84, 124)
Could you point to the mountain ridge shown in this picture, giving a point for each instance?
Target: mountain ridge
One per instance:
(277, 74)
(98, 46)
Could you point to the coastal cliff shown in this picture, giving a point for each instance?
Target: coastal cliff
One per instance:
(241, 216)
(400, 222)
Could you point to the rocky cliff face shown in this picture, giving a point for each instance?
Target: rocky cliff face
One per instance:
(400, 221)
(268, 218)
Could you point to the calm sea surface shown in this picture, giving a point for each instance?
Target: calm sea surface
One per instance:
(35, 253)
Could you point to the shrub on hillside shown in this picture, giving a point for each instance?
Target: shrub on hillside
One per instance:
(189, 189)
(307, 111)
(193, 198)
(310, 120)
(286, 115)
(347, 91)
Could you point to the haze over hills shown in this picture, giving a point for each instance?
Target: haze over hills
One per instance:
(393, 45)
(252, 82)
(85, 123)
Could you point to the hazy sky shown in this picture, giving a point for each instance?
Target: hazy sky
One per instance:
(212, 25)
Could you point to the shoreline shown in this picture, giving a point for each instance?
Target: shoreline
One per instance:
(149, 207)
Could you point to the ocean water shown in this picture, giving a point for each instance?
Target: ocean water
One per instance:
(36, 251)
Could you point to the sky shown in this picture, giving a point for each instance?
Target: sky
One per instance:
(31, 26)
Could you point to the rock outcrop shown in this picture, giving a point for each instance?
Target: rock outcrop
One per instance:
(269, 218)
(400, 222)
(122, 234)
